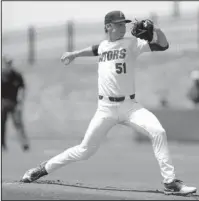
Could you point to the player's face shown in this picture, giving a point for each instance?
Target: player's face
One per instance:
(6, 66)
(118, 30)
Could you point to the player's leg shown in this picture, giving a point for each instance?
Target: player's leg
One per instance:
(4, 114)
(19, 125)
(99, 126)
(95, 134)
(147, 123)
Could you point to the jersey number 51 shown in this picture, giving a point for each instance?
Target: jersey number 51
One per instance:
(120, 68)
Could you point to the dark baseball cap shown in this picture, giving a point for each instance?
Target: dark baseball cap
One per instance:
(115, 17)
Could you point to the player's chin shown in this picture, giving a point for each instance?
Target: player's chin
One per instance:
(122, 34)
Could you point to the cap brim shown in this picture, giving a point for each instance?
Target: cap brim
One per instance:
(119, 21)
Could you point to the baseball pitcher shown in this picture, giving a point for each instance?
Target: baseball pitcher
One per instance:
(117, 98)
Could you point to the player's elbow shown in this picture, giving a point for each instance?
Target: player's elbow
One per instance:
(158, 47)
(165, 47)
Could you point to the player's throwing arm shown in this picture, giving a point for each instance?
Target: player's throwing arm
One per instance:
(68, 57)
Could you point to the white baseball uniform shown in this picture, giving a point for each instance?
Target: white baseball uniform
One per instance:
(116, 79)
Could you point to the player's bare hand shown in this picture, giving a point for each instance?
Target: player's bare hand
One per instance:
(67, 58)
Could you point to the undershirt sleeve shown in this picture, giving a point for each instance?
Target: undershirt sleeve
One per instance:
(95, 49)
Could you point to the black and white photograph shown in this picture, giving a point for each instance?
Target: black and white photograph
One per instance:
(99, 100)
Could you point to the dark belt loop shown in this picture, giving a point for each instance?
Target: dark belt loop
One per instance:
(117, 99)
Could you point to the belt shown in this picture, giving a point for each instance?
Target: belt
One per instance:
(117, 99)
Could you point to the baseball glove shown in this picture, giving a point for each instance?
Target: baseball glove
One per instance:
(143, 29)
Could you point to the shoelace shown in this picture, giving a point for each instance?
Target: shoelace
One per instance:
(36, 171)
(178, 180)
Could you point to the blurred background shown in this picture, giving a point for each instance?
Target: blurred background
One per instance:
(35, 35)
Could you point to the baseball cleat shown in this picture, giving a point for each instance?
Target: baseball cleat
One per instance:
(34, 174)
(177, 187)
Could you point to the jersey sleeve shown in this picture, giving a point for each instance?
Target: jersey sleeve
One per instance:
(95, 50)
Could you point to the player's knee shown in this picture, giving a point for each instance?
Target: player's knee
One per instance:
(159, 131)
(162, 134)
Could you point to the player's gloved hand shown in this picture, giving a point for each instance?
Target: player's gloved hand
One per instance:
(68, 57)
(143, 29)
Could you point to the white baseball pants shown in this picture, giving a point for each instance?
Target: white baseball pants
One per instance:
(108, 114)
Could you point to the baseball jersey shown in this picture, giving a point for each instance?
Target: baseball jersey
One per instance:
(116, 65)
(10, 84)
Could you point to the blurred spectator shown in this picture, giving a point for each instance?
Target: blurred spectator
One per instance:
(193, 93)
(13, 94)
